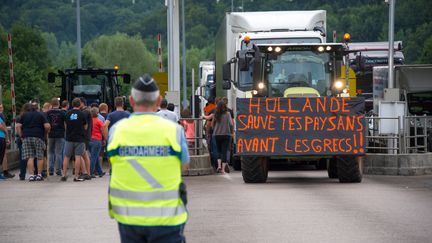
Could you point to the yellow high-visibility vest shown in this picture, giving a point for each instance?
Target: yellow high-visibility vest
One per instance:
(145, 151)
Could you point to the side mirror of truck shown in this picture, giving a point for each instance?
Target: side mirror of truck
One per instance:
(51, 77)
(126, 78)
(360, 62)
(226, 84)
(243, 60)
(338, 68)
(226, 76)
(226, 71)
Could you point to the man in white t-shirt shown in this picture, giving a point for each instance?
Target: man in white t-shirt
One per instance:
(167, 114)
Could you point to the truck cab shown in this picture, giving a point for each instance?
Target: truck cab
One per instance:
(207, 84)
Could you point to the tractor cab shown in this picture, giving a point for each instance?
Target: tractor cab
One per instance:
(95, 85)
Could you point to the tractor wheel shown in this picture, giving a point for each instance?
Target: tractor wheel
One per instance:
(349, 169)
(332, 168)
(254, 169)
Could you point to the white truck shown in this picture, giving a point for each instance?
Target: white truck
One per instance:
(262, 28)
(207, 84)
(281, 54)
(364, 56)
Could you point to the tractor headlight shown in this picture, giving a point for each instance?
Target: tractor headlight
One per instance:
(338, 85)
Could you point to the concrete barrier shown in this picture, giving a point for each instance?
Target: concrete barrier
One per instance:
(398, 164)
(199, 165)
(12, 158)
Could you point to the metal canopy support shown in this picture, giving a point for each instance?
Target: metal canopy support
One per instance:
(173, 51)
(185, 99)
(391, 43)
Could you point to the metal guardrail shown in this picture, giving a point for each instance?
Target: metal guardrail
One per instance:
(418, 134)
(409, 134)
(378, 141)
(196, 143)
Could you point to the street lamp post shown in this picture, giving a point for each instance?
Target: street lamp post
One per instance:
(78, 45)
(173, 95)
(185, 101)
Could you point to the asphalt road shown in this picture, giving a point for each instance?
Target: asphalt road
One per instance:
(294, 206)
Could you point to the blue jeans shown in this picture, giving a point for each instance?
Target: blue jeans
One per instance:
(214, 152)
(151, 234)
(95, 148)
(55, 153)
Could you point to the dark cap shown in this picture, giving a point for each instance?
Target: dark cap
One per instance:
(145, 88)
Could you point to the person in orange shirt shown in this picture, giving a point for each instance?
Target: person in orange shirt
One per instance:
(210, 106)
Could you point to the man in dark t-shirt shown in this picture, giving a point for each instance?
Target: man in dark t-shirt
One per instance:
(32, 128)
(76, 126)
(116, 115)
(56, 118)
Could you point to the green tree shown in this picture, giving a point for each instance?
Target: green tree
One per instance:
(128, 52)
(66, 56)
(426, 55)
(30, 57)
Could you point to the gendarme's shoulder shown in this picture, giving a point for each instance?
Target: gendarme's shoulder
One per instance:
(166, 122)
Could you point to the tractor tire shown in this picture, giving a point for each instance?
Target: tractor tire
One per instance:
(254, 169)
(236, 163)
(321, 164)
(349, 169)
(332, 168)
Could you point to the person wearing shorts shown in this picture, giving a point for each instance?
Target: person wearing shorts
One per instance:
(76, 126)
(32, 128)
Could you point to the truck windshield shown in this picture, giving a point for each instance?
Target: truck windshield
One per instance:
(420, 103)
(87, 84)
(299, 69)
(245, 77)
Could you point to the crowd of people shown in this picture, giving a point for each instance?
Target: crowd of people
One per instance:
(51, 136)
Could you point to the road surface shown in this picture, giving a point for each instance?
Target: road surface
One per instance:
(294, 206)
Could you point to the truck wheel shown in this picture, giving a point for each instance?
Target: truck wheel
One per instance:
(332, 168)
(321, 164)
(236, 163)
(349, 169)
(254, 169)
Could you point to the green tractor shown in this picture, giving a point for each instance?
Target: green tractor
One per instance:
(96, 85)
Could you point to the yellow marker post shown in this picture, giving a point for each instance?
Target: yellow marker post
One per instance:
(162, 81)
